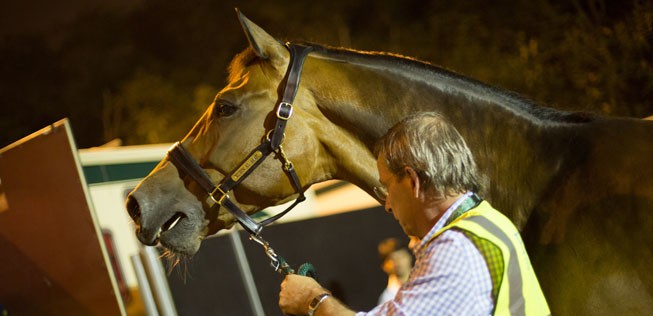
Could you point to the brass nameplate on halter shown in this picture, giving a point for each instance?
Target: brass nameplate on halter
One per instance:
(246, 165)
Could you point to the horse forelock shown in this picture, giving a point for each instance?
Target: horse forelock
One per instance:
(240, 62)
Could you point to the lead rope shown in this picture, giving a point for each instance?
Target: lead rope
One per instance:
(279, 264)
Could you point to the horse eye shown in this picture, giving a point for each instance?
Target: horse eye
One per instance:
(224, 110)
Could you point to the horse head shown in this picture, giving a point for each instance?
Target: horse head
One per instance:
(168, 206)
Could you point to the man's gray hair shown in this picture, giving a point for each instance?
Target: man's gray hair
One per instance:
(435, 150)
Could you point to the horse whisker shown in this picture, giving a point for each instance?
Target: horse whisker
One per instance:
(174, 260)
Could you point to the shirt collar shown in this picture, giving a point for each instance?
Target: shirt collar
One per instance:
(440, 223)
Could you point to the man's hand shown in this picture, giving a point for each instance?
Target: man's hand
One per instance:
(297, 292)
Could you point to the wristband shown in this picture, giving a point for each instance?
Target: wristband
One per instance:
(315, 303)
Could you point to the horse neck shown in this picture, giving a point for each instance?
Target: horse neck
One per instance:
(372, 96)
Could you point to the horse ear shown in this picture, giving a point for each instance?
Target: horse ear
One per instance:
(265, 46)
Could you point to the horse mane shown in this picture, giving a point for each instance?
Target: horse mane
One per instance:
(510, 100)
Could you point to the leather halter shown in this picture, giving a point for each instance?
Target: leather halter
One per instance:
(183, 160)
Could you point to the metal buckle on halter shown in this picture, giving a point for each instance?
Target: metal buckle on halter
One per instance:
(284, 105)
(212, 195)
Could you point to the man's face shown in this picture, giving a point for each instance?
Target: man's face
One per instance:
(399, 199)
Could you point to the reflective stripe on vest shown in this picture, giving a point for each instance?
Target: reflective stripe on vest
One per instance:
(516, 297)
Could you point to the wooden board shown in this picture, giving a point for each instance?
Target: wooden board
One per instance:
(52, 257)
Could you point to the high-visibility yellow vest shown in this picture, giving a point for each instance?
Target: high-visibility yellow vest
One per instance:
(515, 288)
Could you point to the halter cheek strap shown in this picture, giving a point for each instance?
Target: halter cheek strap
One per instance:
(298, 54)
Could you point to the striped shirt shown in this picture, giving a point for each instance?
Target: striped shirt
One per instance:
(450, 277)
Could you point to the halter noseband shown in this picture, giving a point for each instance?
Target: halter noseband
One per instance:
(182, 159)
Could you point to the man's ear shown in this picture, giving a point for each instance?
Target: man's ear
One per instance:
(265, 46)
(414, 181)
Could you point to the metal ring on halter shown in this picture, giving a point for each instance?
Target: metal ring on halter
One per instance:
(219, 201)
(287, 164)
(267, 136)
(258, 239)
(274, 258)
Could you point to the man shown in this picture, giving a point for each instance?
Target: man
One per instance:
(469, 260)
(396, 262)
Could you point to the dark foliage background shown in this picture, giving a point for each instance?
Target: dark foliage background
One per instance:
(143, 71)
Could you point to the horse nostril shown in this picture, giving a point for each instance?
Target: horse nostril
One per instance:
(151, 241)
(134, 209)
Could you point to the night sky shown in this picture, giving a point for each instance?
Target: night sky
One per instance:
(142, 71)
(40, 16)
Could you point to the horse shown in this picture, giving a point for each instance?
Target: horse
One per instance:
(578, 186)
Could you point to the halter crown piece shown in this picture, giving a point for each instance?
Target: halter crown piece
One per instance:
(183, 160)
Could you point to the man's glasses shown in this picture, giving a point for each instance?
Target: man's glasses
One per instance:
(381, 193)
